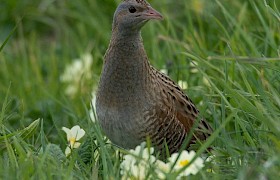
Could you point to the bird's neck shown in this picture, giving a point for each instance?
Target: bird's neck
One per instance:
(126, 65)
(127, 41)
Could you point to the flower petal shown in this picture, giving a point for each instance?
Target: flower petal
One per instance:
(76, 145)
(191, 154)
(67, 151)
(80, 134)
(68, 132)
(137, 162)
(77, 132)
(184, 158)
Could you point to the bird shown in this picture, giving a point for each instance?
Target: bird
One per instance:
(135, 101)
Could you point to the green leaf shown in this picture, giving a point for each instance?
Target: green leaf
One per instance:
(24, 134)
(55, 151)
(30, 130)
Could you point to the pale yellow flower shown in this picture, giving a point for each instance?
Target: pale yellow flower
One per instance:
(73, 136)
(184, 159)
(140, 161)
(162, 169)
(137, 163)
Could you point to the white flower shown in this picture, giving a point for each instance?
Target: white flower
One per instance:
(184, 159)
(183, 84)
(162, 169)
(141, 162)
(73, 136)
(137, 164)
(80, 68)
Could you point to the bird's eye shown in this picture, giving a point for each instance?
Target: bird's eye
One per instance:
(132, 9)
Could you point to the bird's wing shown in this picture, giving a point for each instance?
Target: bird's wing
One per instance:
(178, 103)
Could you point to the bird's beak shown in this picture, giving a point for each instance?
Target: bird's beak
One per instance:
(151, 13)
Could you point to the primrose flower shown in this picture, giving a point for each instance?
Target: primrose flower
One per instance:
(137, 163)
(162, 169)
(184, 159)
(73, 136)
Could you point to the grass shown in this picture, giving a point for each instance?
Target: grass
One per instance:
(228, 52)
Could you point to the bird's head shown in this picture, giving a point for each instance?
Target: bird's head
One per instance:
(131, 15)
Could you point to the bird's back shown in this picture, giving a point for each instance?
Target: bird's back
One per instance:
(172, 114)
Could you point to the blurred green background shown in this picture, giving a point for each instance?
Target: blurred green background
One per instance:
(228, 52)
